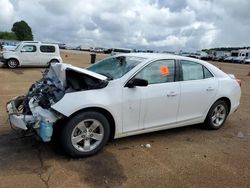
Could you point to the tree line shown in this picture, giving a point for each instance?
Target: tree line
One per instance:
(20, 31)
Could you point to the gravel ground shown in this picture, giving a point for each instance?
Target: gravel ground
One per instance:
(182, 157)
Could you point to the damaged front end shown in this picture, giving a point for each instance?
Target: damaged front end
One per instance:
(33, 111)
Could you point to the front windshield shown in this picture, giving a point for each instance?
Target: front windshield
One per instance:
(115, 67)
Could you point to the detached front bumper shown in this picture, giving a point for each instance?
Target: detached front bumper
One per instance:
(40, 121)
(16, 118)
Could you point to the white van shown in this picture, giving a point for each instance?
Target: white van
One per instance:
(30, 53)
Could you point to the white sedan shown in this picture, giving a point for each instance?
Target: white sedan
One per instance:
(124, 95)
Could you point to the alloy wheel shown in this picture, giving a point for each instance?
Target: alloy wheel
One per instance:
(87, 135)
(12, 63)
(219, 115)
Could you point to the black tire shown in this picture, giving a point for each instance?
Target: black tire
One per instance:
(12, 63)
(210, 122)
(52, 61)
(71, 127)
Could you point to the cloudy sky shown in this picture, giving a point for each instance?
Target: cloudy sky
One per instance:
(144, 24)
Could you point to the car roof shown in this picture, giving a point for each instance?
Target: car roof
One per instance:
(154, 56)
(38, 42)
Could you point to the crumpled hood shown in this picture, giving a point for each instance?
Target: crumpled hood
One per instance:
(58, 70)
(8, 52)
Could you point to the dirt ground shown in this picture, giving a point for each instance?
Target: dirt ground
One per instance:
(182, 157)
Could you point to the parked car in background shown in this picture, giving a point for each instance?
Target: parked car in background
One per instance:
(205, 56)
(195, 55)
(124, 95)
(107, 51)
(30, 53)
(246, 61)
(230, 59)
(62, 46)
(115, 51)
(97, 49)
(198, 55)
(9, 47)
(239, 59)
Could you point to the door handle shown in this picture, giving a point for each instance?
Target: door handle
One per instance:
(172, 94)
(210, 89)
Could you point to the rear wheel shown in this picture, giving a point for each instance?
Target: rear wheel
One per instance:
(85, 134)
(217, 115)
(53, 61)
(12, 63)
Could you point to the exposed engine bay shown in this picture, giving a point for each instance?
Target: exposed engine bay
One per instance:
(33, 111)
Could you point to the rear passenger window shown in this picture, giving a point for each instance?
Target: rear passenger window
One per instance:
(194, 71)
(47, 49)
(207, 73)
(161, 71)
(191, 70)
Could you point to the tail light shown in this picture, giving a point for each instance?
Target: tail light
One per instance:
(239, 82)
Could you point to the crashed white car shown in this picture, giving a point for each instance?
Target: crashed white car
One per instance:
(124, 95)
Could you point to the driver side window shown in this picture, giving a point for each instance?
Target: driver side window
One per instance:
(160, 71)
(29, 48)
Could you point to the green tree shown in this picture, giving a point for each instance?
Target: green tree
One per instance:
(22, 30)
(7, 35)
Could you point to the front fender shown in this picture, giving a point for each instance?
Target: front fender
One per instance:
(108, 98)
(73, 102)
(7, 57)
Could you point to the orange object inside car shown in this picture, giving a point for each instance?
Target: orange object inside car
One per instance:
(164, 71)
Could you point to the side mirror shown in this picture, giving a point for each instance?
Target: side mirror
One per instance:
(22, 50)
(136, 82)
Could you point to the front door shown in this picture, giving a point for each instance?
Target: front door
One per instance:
(28, 54)
(156, 104)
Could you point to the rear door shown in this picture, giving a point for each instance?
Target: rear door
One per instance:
(46, 54)
(198, 90)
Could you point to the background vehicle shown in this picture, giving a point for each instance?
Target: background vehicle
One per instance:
(116, 51)
(247, 61)
(231, 59)
(228, 59)
(124, 95)
(32, 54)
(9, 47)
(239, 59)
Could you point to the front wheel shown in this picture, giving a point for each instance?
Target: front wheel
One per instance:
(85, 134)
(12, 63)
(217, 115)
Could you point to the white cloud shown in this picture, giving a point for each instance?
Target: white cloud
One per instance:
(6, 14)
(150, 24)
